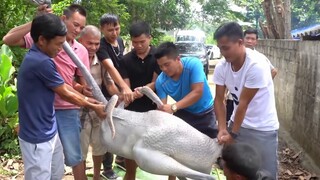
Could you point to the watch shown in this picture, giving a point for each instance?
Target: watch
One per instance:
(174, 108)
(233, 135)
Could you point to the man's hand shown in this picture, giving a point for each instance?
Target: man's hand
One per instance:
(137, 93)
(127, 95)
(87, 91)
(99, 109)
(43, 9)
(166, 108)
(224, 137)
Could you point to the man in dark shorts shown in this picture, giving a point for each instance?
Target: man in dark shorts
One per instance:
(139, 68)
(184, 80)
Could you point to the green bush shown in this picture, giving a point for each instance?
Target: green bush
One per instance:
(8, 104)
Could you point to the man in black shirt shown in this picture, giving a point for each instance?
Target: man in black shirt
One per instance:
(139, 68)
(110, 52)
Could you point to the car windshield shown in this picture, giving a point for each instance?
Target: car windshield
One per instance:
(190, 48)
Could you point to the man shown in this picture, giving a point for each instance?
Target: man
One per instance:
(251, 40)
(184, 80)
(242, 162)
(67, 114)
(39, 142)
(139, 68)
(90, 133)
(243, 72)
(109, 54)
(111, 51)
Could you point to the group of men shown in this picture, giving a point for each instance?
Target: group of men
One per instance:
(51, 90)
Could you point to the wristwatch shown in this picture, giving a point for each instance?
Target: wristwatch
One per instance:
(233, 135)
(174, 108)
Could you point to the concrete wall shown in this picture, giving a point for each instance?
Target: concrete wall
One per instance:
(297, 89)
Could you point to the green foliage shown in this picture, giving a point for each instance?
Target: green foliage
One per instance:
(97, 8)
(305, 13)
(14, 13)
(60, 6)
(8, 103)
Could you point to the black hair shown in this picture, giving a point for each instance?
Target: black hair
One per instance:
(232, 30)
(138, 28)
(251, 31)
(242, 159)
(49, 26)
(107, 19)
(74, 8)
(167, 49)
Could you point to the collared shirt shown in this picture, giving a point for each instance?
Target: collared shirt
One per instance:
(98, 73)
(140, 73)
(36, 78)
(66, 68)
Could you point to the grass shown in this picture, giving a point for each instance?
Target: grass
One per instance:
(142, 175)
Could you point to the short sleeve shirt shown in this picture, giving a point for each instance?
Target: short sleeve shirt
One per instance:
(107, 51)
(261, 113)
(66, 68)
(36, 78)
(140, 73)
(192, 73)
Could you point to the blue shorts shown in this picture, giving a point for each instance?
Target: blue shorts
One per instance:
(69, 129)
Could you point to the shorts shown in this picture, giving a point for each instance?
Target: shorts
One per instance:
(90, 133)
(204, 122)
(42, 161)
(69, 128)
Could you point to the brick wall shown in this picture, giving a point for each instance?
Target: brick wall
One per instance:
(297, 89)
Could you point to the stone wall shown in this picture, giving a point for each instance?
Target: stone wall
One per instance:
(297, 89)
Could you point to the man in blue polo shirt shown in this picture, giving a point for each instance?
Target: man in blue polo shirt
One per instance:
(184, 80)
(38, 81)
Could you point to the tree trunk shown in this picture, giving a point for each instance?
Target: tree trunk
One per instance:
(279, 15)
(267, 8)
(287, 19)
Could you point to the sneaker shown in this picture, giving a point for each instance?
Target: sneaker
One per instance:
(110, 174)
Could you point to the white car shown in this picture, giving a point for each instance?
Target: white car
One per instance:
(214, 52)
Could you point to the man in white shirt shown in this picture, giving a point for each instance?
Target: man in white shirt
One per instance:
(250, 41)
(254, 119)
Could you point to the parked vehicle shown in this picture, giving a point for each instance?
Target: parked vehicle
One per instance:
(191, 35)
(194, 49)
(213, 52)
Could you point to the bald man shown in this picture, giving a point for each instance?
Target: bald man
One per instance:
(90, 133)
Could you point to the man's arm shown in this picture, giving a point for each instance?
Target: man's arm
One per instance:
(219, 107)
(125, 89)
(193, 96)
(67, 93)
(274, 72)
(246, 96)
(15, 37)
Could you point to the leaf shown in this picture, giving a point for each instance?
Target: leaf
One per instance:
(12, 123)
(6, 50)
(12, 104)
(6, 69)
